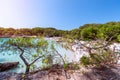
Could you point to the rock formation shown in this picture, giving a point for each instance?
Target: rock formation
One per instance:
(8, 65)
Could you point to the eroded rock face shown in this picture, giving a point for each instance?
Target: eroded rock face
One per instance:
(8, 65)
(103, 73)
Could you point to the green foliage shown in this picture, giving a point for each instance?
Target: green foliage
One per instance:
(85, 60)
(85, 32)
(108, 31)
(34, 55)
(65, 65)
(100, 31)
(108, 57)
(33, 67)
(118, 38)
(75, 34)
(89, 33)
(25, 42)
(76, 66)
(71, 66)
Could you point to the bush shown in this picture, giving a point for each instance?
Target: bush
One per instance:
(85, 61)
(89, 33)
(107, 58)
(118, 38)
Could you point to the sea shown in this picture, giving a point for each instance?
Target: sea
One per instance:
(12, 56)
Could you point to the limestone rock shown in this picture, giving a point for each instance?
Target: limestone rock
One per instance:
(8, 65)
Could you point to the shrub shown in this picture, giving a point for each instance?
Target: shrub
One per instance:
(85, 61)
(107, 58)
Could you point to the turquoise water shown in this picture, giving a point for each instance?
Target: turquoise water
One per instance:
(10, 56)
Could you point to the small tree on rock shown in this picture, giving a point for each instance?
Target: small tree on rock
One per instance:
(25, 47)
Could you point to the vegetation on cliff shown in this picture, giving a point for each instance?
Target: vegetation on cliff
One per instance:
(85, 32)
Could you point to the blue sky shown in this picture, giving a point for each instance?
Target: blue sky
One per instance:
(60, 14)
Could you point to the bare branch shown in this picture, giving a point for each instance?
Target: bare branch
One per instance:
(63, 62)
(103, 46)
(35, 60)
(21, 55)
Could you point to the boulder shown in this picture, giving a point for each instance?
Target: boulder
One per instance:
(8, 65)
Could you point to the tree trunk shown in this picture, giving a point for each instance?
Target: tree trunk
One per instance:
(27, 69)
(26, 77)
(24, 60)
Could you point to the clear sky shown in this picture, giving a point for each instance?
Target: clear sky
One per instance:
(60, 14)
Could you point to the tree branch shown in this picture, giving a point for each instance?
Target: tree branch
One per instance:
(21, 55)
(35, 60)
(99, 46)
(63, 62)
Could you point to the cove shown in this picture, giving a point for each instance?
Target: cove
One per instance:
(10, 56)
